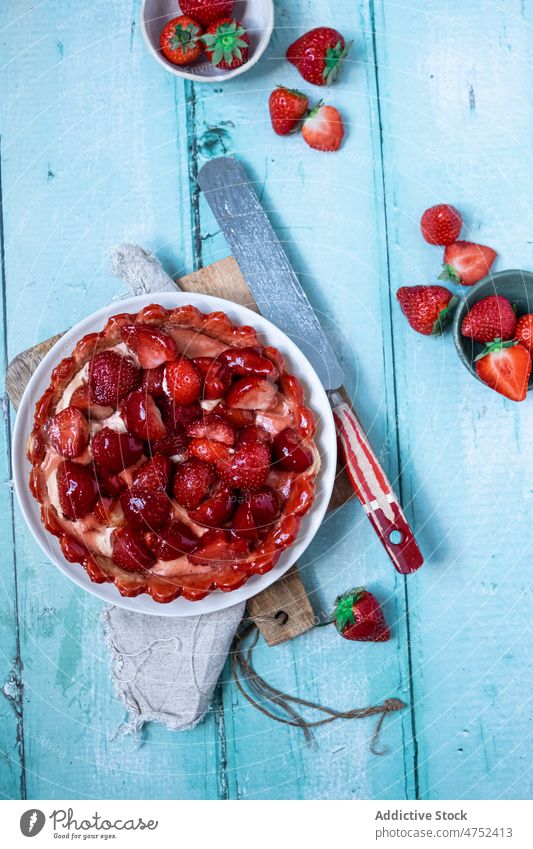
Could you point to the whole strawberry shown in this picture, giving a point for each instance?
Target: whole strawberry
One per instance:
(318, 55)
(323, 128)
(287, 108)
(358, 616)
(489, 319)
(441, 224)
(207, 12)
(524, 332)
(180, 41)
(427, 308)
(226, 44)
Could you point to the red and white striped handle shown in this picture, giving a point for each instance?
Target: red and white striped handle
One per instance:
(374, 490)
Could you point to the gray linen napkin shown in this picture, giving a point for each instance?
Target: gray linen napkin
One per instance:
(165, 669)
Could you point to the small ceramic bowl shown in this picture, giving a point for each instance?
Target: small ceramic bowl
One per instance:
(256, 15)
(515, 285)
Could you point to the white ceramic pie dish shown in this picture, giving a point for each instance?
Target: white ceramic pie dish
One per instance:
(316, 399)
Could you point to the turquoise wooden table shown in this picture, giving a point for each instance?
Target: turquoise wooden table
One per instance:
(100, 145)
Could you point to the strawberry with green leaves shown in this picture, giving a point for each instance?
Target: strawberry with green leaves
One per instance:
(318, 55)
(180, 40)
(467, 262)
(358, 616)
(287, 108)
(323, 129)
(505, 367)
(428, 309)
(227, 44)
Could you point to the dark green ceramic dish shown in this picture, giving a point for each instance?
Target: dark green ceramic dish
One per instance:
(515, 285)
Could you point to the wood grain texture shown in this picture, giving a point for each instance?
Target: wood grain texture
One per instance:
(99, 145)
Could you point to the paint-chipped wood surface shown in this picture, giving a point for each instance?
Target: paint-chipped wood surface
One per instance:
(100, 145)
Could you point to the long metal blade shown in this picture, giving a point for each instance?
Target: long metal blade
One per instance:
(264, 264)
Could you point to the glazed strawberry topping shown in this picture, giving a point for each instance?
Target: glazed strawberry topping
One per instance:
(113, 452)
(152, 346)
(248, 468)
(212, 427)
(290, 453)
(81, 399)
(252, 433)
(216, 378)
(142, 417)
(68, 432)
(154, 475)
(146, 509)
(152, 382)
(77, 489)
(110, 486)
(264, 506)
(192, 482)
(130, 552)
(111, 377)
(248, 361)
(172, 542)
(252, 393)
(209, 451)
(217, 509)
(183, 381)
(219, 548)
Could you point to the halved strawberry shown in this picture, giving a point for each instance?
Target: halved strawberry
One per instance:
(146, 509)
(212, 427)
(505, 367)
(264, 506)
(247, 361)
(252, 393)
(114, 451)
(68, 432)
(323, 128)
(112, 377)
(239, 418)
(466, 262)
(192, 482)
(243, 522)
(290, 453)
(209, 451)
(142, 416)
(252, 433)
(183, 381)
(152, 381)
(172, 542)
(77, 489)
(217, 509)
(130, 552)
(248, 468)
(154, 474)
(216, 377)
(81, 399)
(152, 346)
(219, 548)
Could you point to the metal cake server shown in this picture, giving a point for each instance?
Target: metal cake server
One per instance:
(280, 297)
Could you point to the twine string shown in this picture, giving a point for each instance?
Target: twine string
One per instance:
(247, 679)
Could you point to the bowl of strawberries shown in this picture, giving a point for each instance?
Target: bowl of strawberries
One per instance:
(207, 40)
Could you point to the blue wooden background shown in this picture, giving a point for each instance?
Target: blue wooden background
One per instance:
(100, 145)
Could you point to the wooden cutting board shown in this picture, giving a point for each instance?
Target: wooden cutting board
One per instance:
(283, 610)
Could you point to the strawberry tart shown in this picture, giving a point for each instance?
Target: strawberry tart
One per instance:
(173, 454)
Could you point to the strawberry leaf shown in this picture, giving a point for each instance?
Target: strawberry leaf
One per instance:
(344, 604)
(449, 273)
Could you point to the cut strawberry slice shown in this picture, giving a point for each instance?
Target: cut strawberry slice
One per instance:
(183, 381)
(209, 451)
(113, 452)
(192, 482)
(152, 346)
(154, 475)
(112, 377)
(152, 381)
(217, 510)
(77, 489)
(68, 432)
(130, 551)
(248, 468)
(146, 509)
(172, 542)
(247, 361)
(252, 393)
(290, 453)
(212, 427)
(142, 416)
(216, 378)
(219, 548)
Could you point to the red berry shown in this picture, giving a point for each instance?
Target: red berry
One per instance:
(81, 399)
(154, 474)
(212, 427)
(248, 468)
(152, 346)
(130, 552)
(247, 361)
(289, 452)
(146, 509)
(323, 129)
(77, 489)
(524, 332)
(180, 40)
(192, 482)
(252, 433)
(358, 616)
(252, 393)
(506, 368)
(226, 44)
(152, 381)
(208, 450)
(142, 416)
(183, 381)
(216, 377)
(264, 505)
(243, 522)
(467, 262)
(110, 486)
(318, 55)
(114, 451)
(218, 548)
(173, 542)
(428, 309)
(490, 318)
(112, 377)
(217, 509)
(287, 108)
(68, 432)
(441, 224)
(207, 11)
